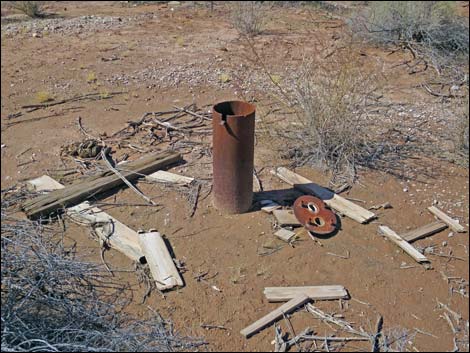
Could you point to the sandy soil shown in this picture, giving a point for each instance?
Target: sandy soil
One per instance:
(161, 57)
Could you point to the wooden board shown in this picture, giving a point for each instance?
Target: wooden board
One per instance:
(333, 200)
(286, 218)
(285, 235)
(162, 267)
(162, 176)
(407, 247)
(269, 206)
(44, 205)
(283, 294)
(274, 315)
(118, 235)
(424, 231)
(452, 223)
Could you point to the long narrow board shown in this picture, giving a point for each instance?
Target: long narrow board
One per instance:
(109, 229)
(283, 294)
(452, 223)
(336, 202)
(402, 243)
(44, 205)
(424, 231)
(162, 267)
(163, 176)
(274, 315)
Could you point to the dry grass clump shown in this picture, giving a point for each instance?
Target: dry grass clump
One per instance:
(248, 17)
(52, 301)
(30, 8)
(431, 30)
(330, 98)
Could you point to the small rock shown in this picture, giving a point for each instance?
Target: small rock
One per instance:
(405, 189)
(444, 243)
(451, 234)
(36, 35)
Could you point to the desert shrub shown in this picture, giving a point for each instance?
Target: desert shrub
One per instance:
(30, 8)
(330, 100)
(430, 29)
(248, 16)
(53, 301)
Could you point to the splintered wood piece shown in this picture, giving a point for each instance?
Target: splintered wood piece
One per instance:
(274, 315)
(269, 206)
(161, 265)
(166, 177)
(117, 235)
(44, 205)
(424, 231)
(283, 294)
(285, 234)
(402, 243)
(333, 200)
(286, 218)
(452, 223)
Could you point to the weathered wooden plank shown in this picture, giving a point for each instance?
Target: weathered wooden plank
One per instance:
(274, 315)
(162, 267)
(402, 243)
(162, 176)
(283, 294)
(424, 231)
(286, 218)
(285, 235)
(44, 205)
(117, 235)
(452, 223)
(333, 200)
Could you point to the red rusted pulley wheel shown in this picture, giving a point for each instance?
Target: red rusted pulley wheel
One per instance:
(314, 215)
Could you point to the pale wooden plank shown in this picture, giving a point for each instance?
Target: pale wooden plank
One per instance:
(162, 267)
(286, 218)
(333, 200)
(424, 231)
(109, 229)
(285, 234)
(407, 247)
(283, 294)
(163, 176)
(269, 206)
(452, 223)
(274, 315)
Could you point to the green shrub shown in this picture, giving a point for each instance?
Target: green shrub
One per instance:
(30, 8)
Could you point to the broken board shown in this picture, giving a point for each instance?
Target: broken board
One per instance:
(285, 235)
(333, 200)
(275, 315)
(109, 229)
(283, 294)
(161, 265)
(286, 218)
(424, 231)
(402, 243)
(452, 223)
(163, 176)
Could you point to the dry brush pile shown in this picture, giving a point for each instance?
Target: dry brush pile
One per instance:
(53, 301)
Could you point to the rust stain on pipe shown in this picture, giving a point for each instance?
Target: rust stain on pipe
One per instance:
(233, 124)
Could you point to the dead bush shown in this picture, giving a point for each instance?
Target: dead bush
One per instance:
(30, 8)
(431, 30)
(248, 16)
(52, 301)
(330, 98)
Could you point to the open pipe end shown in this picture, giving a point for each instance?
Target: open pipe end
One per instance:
(238, 109)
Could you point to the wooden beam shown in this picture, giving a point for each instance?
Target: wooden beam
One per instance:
(424, 231)
(336, 202)
(452, 223)
(117, 235)
(162, 267)
(44, 205)
(283, 294)
(274, 315)
(402, 243)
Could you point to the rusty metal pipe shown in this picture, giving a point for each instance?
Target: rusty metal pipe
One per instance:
(233, 125)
